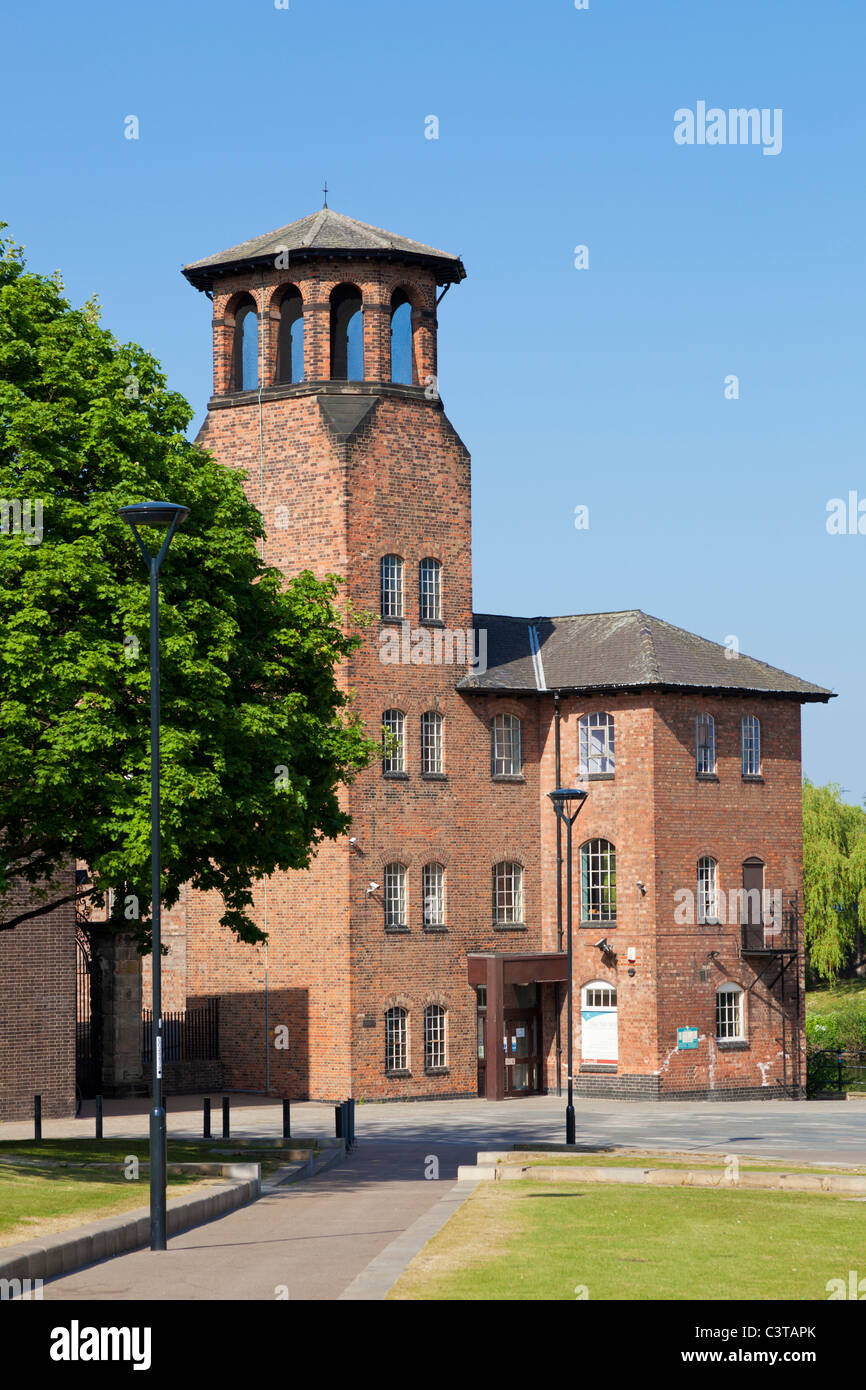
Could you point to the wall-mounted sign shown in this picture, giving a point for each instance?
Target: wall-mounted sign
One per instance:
(687, 1039)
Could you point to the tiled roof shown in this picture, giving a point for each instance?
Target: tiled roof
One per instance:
(318, 234)
(619, 651)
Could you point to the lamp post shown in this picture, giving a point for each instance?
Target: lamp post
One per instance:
(568, 804)
(164, 516)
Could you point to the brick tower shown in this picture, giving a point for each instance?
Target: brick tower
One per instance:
(326, 394)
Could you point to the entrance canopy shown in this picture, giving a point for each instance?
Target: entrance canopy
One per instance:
(494, 970)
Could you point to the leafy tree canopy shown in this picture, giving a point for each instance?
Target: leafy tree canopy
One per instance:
(257, 735)
(834, 876)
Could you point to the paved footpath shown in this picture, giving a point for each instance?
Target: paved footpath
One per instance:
(331, 1236)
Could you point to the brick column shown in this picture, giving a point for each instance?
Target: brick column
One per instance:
(424, 345)
(495, 1059)
(377, 340)
(223, 335)
(120, 979)
(317, 339)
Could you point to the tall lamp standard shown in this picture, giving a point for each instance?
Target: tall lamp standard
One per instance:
(164, 516)
(568, 804)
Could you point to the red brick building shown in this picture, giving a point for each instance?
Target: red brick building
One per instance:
(422, 955)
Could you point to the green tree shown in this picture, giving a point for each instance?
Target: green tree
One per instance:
(834, 877)
(257, 735)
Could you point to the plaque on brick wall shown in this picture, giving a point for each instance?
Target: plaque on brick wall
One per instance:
(369, 1021)
(687, 1039)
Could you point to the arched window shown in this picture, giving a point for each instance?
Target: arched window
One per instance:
(434, 1037)
(393, 741)
(507, 893)
(599, 1040)
(705, 745)
(245, 347)
(507, 759)
(597, 881)
(430, 587)
(433, 892)
(290, 338)
(431, 742)
(750, 739)
(347, 334)
(401, 338)
(396, 1040)
(596, 745)
(708, 897)
(730, 1014)
(392, 586)
(395, 896)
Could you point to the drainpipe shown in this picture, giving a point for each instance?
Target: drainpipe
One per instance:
(558, 716)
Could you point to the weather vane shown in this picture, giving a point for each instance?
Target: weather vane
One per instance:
(325, 191)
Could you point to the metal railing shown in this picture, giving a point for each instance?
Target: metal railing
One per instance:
(833, 1070)
(188, 1034)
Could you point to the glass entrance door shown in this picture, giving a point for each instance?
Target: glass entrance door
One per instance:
(520, 1043)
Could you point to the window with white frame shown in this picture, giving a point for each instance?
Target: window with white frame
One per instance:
(599, 996)
(431, 742)
(750, 736)
(708, 898)
(705, 745)
(507, 755)
(433, 892)
(393, 741)
(730, 1014)
(507, 893)
(396, 1040)
(434, 1037)
(395, 895)
(392, 586)
(430, 584)
(596, 744)
(597, 881)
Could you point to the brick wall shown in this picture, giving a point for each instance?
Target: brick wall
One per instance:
(37, 1012)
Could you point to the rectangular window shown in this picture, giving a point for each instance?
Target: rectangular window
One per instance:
(396, 1040)
(430, 582)
(434, 1037)
(395, 895)
(729, 1015)
(751, 745)
(393, 741)
(392, 586)
(507, 754)
(596, 745)
(431, 742)
(507, 893)
(705, 745)
(598, 881)
(434, 895)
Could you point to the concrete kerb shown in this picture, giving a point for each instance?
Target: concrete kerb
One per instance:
(500, 1167)
(380, 1275)
(100, 1240)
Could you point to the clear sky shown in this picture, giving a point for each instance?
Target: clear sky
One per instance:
(603, 387)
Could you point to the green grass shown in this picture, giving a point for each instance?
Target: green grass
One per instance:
(603, 1160)
(520, 1241)
(56, 1184)
(37, 1201)
(829, 999)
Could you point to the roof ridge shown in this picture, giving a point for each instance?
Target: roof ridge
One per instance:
(314, 230)
(645, 634)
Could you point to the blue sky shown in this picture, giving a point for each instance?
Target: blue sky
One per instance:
(601, 387)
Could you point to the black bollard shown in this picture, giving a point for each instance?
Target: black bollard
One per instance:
(345, 1109)
(37, 1118)
(338, 1121)
(226, 1122)
(287, 1119)
(351, 1115)
(99, 1117)
(206, 1118)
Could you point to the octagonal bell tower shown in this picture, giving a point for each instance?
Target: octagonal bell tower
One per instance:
(326, 393)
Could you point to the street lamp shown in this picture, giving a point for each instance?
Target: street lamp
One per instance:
(163, 516)
(568, 804)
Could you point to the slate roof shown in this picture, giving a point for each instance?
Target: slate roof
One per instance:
(320, 233)
(619, 651)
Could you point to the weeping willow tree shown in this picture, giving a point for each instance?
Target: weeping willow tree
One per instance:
(834, 877)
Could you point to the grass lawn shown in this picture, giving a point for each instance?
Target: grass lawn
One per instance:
(660, 1160)
(828, 999)
(38, 1199)
(539, 1241)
